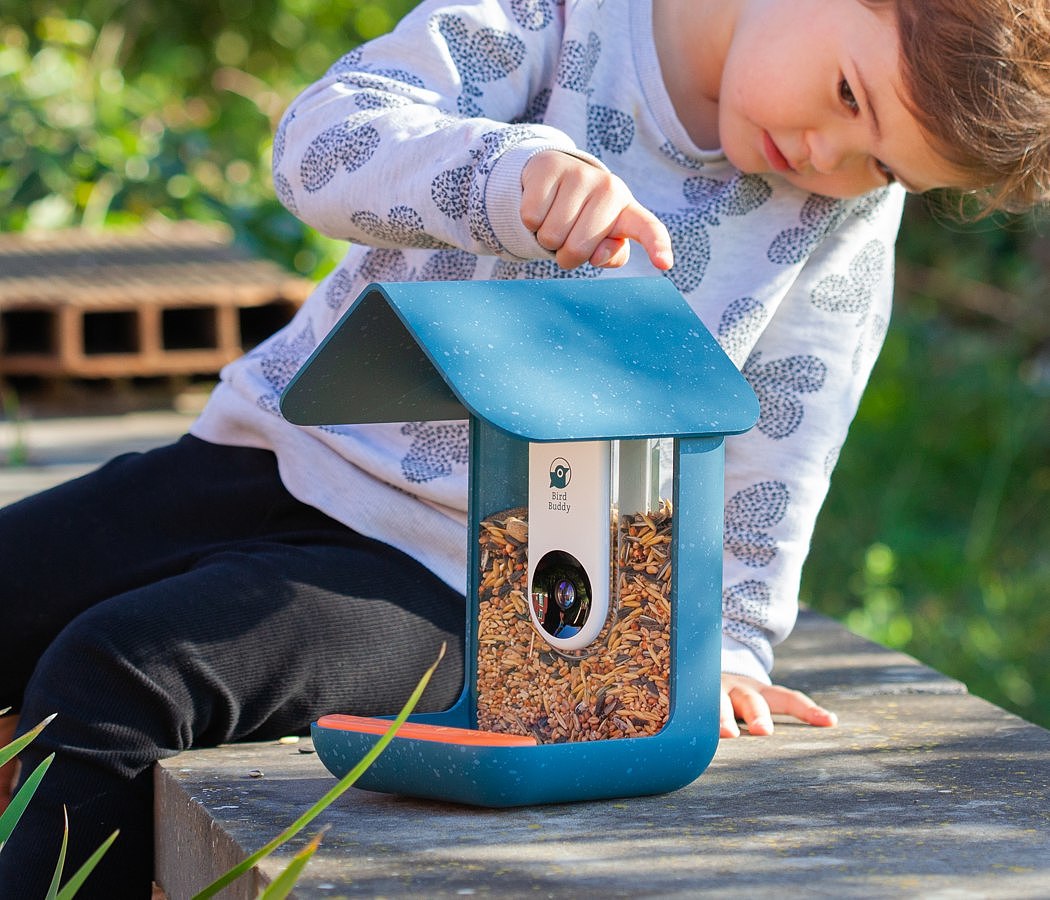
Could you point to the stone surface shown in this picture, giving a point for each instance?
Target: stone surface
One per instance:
(922, 790)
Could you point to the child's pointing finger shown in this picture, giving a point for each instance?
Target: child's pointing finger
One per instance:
(640, 225)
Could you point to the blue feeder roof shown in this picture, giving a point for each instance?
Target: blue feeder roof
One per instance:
(543, 360)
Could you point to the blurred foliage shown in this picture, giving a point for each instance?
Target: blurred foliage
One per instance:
(934, 538)
(114, 111)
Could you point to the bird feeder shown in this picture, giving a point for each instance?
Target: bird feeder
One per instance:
(597, 412)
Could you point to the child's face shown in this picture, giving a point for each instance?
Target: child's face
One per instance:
(811, 89)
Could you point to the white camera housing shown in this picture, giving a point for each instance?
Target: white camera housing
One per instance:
(570, 518)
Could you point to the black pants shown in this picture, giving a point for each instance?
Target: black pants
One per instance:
(182, 598)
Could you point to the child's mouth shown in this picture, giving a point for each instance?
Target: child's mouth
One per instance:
(774, 157)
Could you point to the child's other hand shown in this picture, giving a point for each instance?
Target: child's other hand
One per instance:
(585, 214)
(755, 704)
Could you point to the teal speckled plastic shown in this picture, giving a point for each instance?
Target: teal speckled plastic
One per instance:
(567, 359)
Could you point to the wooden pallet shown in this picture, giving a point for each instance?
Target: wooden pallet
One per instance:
(179, 300)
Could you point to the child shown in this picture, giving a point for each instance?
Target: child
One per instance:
(256, 575)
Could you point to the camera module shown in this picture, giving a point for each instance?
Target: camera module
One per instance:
(561, 594)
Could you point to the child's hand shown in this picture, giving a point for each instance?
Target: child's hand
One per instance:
(755, 704)
(586, 214)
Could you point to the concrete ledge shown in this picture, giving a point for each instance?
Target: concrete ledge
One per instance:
(923, 790)
(61, 448)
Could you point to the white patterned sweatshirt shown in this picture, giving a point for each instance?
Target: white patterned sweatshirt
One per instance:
(411, 148)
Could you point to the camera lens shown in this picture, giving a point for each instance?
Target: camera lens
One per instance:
(560, 577)
(565, 594)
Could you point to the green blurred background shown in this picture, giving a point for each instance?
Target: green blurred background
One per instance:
(115, 111)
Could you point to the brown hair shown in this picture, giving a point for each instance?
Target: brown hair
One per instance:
(977, 73)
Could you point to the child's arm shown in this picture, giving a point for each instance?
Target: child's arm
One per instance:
(420, 138)
(808, 363)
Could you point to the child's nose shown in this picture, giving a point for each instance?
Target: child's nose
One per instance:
(833, 149)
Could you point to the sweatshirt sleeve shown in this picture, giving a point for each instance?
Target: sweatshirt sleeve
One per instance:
(808, 366)
(419, 138)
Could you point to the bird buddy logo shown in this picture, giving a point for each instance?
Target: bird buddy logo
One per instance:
(561, 474)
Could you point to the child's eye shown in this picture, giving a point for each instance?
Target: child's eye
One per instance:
(886, 172)
(846, 95)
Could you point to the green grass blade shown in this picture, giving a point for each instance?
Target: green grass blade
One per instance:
(20, 801)
(282, 885)
(52, 891)
(330, 797)
(80, 876)
(19, 744)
